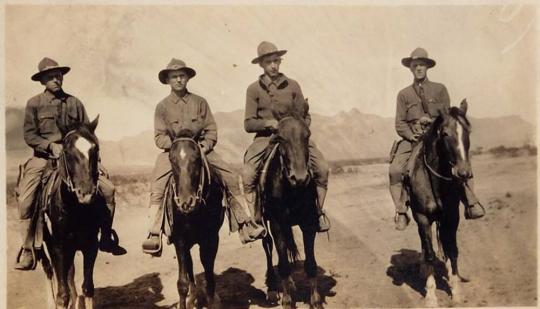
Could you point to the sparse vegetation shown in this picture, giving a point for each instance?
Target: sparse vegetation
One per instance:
(503, 151)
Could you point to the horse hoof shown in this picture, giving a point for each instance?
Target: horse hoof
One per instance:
(272, 297)
(316, 306)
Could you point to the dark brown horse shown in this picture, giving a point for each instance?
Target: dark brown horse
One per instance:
(75, 212)
(195, 211)
(288, 198)
(440, 169)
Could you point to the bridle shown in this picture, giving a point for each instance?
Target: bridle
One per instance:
(204, 179)
(433, 171)
(67, 177)
(284, 159)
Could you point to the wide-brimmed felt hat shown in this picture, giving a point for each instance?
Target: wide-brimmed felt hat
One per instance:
(175, 65)
(46, 65)
(266, 48)
(418, 54)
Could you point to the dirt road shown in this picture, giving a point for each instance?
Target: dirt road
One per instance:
(366, 263)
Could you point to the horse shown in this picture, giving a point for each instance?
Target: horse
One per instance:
(288, 198)
(438, 173)
(195, 213)
(73, 210)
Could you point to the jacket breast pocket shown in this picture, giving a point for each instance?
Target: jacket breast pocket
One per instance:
(413, 111)
(47, 121)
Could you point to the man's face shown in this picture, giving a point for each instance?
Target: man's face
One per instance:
(52, 80)
(419, 69)
(270, 65)
(178, 80)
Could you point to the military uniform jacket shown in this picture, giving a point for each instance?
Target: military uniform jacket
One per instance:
(263, 94)
(409, 107)
(188, 112)
(42, 114)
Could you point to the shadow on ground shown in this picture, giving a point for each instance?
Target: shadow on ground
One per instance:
(143, 292)
(405, 269)
(235, 287)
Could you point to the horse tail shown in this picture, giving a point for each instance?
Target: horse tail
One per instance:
(292, 249)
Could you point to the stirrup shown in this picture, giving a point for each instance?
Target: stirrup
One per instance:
(34, 259)
(326, 220)
(157, 252)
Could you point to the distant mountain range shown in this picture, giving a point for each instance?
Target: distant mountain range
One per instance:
(347, 135)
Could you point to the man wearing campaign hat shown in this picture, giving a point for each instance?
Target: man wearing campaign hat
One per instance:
(274, 88)
(417, 105)
(182, 109)
(41, 132)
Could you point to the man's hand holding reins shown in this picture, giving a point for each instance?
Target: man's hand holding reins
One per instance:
(56, 149)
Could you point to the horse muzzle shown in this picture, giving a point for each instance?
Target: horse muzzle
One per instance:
(83, 197)
(186, 206)
(462, 173)
(298, 180)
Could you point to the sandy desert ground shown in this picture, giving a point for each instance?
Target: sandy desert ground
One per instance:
(365, 263)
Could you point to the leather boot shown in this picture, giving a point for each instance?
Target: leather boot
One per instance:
(401, 219)
(152, 245)
(25, 261)
(251, 229)
(473, 208)
(108, 241)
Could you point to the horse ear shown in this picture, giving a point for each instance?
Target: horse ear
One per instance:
(93, 125)
(463, 106)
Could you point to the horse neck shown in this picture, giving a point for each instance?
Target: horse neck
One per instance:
(434, 155)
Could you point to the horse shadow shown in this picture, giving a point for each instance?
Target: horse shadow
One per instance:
(406, 269)
(143, 292)
(235, 288)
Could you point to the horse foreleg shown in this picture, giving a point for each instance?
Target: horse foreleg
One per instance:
(271, 281)
(424, 229)
(63, 261)
(310, 267)
(284, 268)
(89, 259)
(208, 252)
(50, 283)
(448, 234)
(185, 283)
(73, 297)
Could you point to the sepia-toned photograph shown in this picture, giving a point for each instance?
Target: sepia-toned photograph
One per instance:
(275, 154)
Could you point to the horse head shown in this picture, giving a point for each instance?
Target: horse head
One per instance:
(188, 170)
(79, 159)
(293, 137)
(452, 131)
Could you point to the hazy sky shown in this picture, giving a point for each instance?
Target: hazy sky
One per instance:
(343, 56)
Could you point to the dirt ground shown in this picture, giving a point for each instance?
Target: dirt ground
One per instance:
(365, 263)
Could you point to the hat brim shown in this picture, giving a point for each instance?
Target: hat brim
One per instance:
(37, 77)
(278, 52)
(407, 61)
(163, 73)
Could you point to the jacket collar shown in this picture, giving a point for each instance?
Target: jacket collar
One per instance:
(280, 82)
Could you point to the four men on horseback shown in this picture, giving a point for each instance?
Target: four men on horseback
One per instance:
(182, 109)
(43, 114)
(417, 106)
(274, 88)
